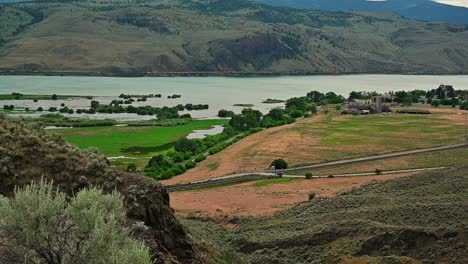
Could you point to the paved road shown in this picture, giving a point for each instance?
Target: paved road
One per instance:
(374, 158)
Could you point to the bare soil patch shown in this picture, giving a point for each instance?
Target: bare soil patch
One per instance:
(248, 200)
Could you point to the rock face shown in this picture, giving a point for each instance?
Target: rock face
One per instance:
(28, 153)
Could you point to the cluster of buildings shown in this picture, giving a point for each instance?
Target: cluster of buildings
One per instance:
(374, 105)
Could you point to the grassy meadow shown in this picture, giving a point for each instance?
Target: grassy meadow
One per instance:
(330, 136)
(346, 137)
(138, 144)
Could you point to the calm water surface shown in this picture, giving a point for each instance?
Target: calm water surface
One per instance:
(218, 92)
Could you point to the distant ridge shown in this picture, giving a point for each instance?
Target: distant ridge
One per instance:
(235, 37)
(426, 10)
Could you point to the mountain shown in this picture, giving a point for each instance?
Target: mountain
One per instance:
(416, 219)
(151, 37)
(28, 153)
(426, 10)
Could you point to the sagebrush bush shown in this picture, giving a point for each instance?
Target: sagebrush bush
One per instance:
(42, 226)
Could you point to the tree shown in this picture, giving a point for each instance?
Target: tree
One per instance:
(159, 161)
(435, 103)
(279, 164)
(225, 113)
(299, 103)
(187, 145)
(276, 114)
(296, 113)
(42, 226)
(315, 96)
(54, 97)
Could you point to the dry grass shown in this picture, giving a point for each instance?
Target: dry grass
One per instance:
(331, 137)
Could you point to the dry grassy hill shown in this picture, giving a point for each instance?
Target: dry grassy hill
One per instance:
(158, 36)
(417, 219)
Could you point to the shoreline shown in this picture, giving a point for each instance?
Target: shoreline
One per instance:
(233, 74)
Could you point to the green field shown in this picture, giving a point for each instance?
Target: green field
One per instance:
(368, 135)
(137, 143)
(267, 182)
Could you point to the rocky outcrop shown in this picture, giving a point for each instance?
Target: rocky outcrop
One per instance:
(28, 153)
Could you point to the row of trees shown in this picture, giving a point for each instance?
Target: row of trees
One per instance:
(188, 152)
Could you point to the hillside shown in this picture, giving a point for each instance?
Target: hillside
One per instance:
(29, 154)
(427, 10)
(416, 219)
(117, 38)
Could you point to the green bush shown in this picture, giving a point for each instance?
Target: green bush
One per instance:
(378, 171)
(43, 226)
(296, 113)
(190, 165)
(200, 158)
(279, 164)
(131, 167)
(308, 175)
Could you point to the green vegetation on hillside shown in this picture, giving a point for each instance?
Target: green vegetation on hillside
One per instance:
(157, 37)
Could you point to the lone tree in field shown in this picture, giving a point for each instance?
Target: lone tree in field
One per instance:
(40, 225)
(279, 164)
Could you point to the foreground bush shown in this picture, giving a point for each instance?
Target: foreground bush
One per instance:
(41, 226)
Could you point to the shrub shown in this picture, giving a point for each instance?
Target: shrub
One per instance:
(190, 165)
(308, 175)
(200, 158)
(131, 167)
(296, 113)
(43, 226)
(435, 103)
(312, 108)
(378, 171)
(279, 164)
(338, 107)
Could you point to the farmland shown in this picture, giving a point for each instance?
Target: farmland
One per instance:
(329, 137)
(138, 144)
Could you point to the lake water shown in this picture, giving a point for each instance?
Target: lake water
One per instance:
(218, 92)
(202, 133)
